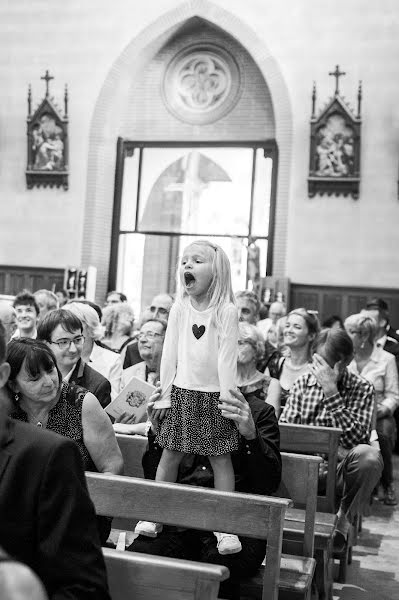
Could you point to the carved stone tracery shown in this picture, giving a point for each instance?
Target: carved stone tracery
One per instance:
(201, 84)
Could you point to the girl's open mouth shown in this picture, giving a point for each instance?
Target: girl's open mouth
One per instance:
(189, 279)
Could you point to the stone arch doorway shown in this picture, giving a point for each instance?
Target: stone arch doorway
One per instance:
(113, 117)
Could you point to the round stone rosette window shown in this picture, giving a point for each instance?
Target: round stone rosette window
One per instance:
(202, 84)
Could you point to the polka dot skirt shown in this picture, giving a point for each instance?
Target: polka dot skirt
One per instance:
(194, 425)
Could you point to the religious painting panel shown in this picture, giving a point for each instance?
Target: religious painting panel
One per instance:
(335, 146)
(47, 135)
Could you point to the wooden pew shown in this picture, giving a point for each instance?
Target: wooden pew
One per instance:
(135, 576)
(199, 508)
(320, 440)
(308, 439)
(300, 477)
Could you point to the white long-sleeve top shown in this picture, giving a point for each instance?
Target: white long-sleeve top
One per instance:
(206, 363)
(381, 371)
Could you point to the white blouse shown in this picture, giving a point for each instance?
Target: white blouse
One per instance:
(196, 355)
(381, 371)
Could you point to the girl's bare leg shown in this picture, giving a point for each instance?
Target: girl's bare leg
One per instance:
(223, 474)
(169, 465)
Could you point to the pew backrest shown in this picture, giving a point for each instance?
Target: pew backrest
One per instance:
(309, 439)
(136, 576)
(248, 515)
(132, 448)
(300, 478)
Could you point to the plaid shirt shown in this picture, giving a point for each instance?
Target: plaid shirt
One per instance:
(350, 409)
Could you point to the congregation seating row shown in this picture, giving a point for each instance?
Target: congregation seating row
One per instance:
(307, 531)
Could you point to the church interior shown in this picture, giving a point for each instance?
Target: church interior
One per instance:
(130, 129)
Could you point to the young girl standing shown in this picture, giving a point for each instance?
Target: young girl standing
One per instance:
(198, 368)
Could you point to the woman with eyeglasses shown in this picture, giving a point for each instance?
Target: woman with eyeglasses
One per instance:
(300, 329)
(251, 348)
(150, 344)
(62, 330)
(42, 398)
(379, 368)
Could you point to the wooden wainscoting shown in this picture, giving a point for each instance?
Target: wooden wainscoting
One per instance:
(16, 279)
(342, 301)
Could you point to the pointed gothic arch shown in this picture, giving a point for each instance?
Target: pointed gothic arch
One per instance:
(105, 128)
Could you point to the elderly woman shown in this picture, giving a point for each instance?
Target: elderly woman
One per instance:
(101, 359)
(63, 332)
(300, 329)
(250, 380)
(44, 400)
(118, 320)
(379, 367)
(150, 343)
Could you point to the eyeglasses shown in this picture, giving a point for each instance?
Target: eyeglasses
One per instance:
(160, 309)
(250, 342)
(65, 343)
(149, 335)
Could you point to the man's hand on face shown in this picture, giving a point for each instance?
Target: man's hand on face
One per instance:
(326, 376)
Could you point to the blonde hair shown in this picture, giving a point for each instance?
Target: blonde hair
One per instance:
(220, 291)
(88, 316)
(365, 323)
(116, 315)
(250, 333)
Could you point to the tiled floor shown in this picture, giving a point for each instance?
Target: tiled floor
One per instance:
(374, 572)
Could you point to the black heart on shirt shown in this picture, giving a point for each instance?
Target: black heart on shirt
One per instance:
(198, 331)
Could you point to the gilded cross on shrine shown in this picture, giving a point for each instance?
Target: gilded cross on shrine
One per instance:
(47, 78)
(337, 74)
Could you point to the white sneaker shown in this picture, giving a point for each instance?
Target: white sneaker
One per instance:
(227, 543)
(148, 529)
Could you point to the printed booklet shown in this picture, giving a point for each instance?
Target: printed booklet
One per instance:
(132, 400)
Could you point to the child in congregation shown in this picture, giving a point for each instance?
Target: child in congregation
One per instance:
(198, 368)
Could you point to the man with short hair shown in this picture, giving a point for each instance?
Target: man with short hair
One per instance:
(158, 309)
(46, 301)
(331, 396)
(248, 306)
(276, 311)
(115, 297)
(9, 319)
(48, 520)
(27, 313)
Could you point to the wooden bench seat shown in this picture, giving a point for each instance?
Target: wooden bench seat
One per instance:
(198, 508)
(135, 576)
(319, 440)
(300, 475)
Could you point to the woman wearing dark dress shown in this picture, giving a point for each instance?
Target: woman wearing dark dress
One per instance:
(42, 399)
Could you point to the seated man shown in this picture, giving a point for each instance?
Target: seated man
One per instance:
(330, 396)
(159, 309)
(17, 581)
(48, 520)
(27, 312)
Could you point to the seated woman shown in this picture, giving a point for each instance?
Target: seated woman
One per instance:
(257, 468)
(150, 343)
(43, 399)
(379, 367)
(101, 359)
(118, 321)
(250, 380)
(63, 332)
(300, 330)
